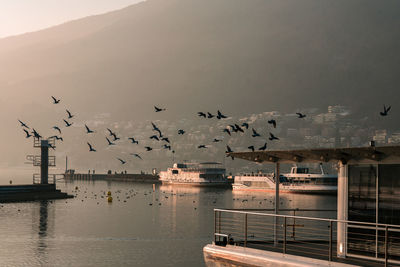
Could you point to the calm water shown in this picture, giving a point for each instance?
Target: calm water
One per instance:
(88, 231)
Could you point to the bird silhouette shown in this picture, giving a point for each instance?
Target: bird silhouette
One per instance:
(148, 148)
(272, 137)
(216, 140)
(23, 124)
(122, 161)
(155, 128)
(181, 132)
(57, 128)
(300, 115)
(385, 110)
(155, 137)
(251, 148)
(36, 134)
(273, 122)
(115, 137)
(238, 128)
(167, 146)
(67, 124)
(55, 101)
(209, 115)
(157, 109)
(70, 116)
(109, 142)
(202, 146)
(133, 140)
(255, 134)
(263, 147)
(229, 150)
(201, 114)
(165, 139)
(233, 128)
(27, 133)
(57, 138)
(111, 133)
(88, 131)
(136, 155)
(51, 146)
(220, 115)
(245, 124)
(91, 149)
(226, 131)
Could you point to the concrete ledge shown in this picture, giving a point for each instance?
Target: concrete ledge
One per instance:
(20, 193)
(240, 256)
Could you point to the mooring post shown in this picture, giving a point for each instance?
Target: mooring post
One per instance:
(44, 162)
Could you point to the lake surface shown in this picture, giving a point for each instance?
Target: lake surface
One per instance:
(167, 227)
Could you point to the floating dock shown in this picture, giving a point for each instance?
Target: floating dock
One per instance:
(30, 192)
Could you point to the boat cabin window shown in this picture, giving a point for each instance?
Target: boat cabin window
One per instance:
(175, 171)
(300, 170)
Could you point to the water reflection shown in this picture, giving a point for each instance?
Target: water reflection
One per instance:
(41, 220)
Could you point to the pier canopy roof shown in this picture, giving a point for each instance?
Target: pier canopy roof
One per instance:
(384, 154)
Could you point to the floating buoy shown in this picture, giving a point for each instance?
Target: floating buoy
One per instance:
(109, 199)
(109, 193)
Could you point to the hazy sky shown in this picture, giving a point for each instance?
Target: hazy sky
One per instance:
(20, 16)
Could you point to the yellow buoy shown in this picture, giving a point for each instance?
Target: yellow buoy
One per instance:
(109, 193)
(109, 199)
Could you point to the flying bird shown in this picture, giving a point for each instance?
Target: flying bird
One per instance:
(245, 124)
(115, 137)
(55, 101)
(88, 131)
(226, 131)
(57, 128)
(385, 110)
(255, 134)
(273, 122)
(272, 137)
(233, 128)
(27, 133)
(251, 148)
(122, 161)
(136, 155)
(300, 115)
(91, 149)
(51, 146)
(209, 115)
(263, 147)
(229, 150)
(57, 138)
(201, 146)
(148, 148)
(167, 146)
(159, 109)
(36, 134)
(23, 124)
(67, 124)
(220, 115)
(238, 128)
(165, 139)
(111, 132)
(70, 116)
(154, 137)
(181, 132)
(201, 114)
(109, 142)
(133, 140)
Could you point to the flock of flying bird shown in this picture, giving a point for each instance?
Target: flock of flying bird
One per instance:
(158, 136)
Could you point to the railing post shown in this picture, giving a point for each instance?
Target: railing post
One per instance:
(215, 226)
(386, 246)
(284, 235)
(330, 239)
(245, 229)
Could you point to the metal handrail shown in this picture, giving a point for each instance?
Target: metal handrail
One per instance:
(255, 233)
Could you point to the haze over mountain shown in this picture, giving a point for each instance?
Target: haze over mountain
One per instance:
(241, 56)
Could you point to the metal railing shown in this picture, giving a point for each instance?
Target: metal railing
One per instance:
(52, 178)
(308, 236)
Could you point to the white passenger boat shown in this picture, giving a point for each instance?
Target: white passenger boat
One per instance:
(195, 174)
(299, 180)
